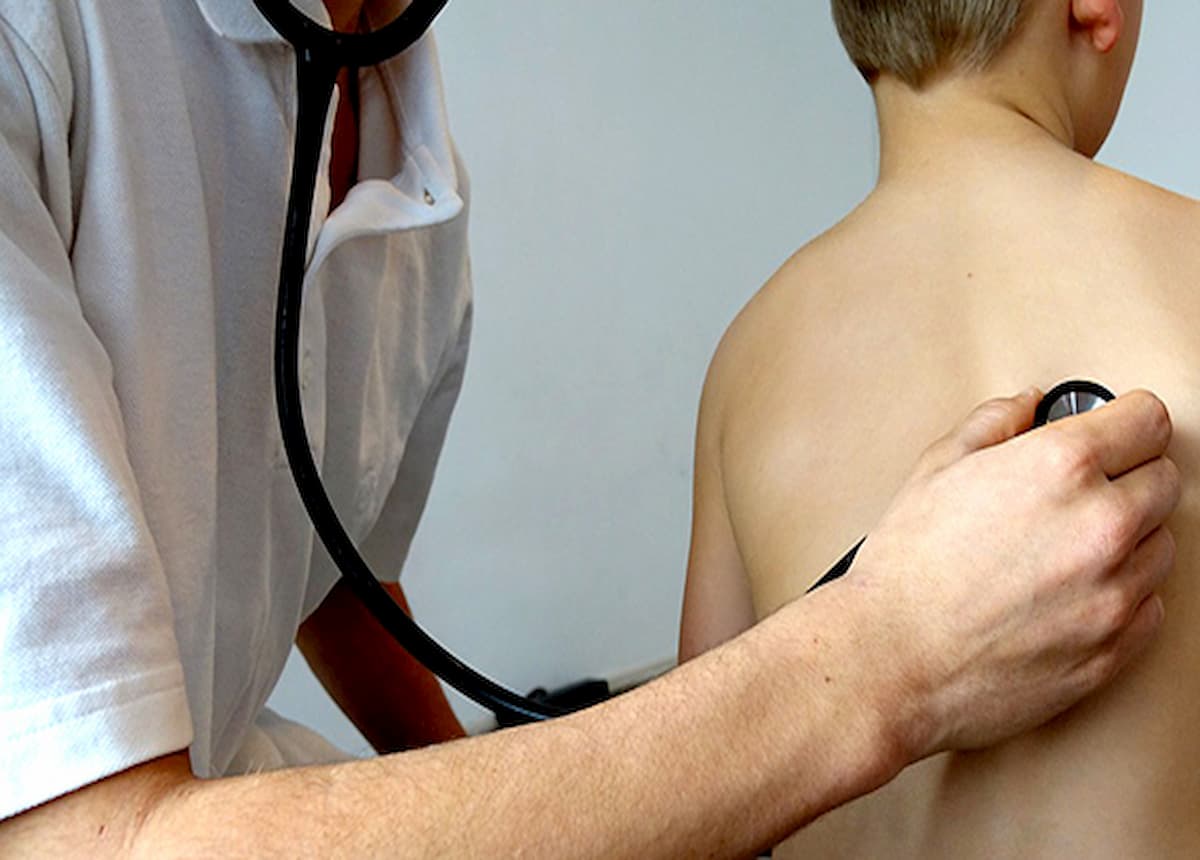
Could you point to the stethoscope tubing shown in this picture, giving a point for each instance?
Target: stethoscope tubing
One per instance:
(320, 56)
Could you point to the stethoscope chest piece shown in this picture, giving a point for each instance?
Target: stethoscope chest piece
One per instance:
(1071, 398)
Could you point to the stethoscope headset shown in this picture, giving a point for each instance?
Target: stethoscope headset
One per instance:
(321, 54)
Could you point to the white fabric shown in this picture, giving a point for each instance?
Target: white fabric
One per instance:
(155, 561)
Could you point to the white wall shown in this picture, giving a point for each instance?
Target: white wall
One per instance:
(639, 169)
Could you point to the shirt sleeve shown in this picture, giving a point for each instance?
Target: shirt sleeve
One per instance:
(90, 677)
(406, 501)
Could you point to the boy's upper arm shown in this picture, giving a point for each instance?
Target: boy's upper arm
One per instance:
(717, 601)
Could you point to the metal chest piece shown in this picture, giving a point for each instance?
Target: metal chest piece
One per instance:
(1071, 398)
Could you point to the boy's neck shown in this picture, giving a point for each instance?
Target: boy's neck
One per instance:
(929, 130)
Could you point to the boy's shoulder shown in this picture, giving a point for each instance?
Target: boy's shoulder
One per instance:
(1155, 232)
(867, 265)
(803, 326)
(1130, 189)
(818, 292)
(883, 281)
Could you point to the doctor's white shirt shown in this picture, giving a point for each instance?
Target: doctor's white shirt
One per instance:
(155, 560)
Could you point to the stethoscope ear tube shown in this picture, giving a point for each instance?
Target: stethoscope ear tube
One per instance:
(316, 77)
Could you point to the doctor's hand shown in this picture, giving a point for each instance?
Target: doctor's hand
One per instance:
(1013, 576)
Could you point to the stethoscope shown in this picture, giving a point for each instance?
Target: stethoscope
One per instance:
(321, 54)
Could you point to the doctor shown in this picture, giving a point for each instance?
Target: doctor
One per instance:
(155, 563)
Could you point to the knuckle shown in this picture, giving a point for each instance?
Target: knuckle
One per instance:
(1071, 457)
(998, 410)
(1169, 546)
(1117, 529)
(1110, 614)
(1104, 667)
(1159, 616)
(1162, 561)
(1173, 479)
(939, 456)
(1160, 417)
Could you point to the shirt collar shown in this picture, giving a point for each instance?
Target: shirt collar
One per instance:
(240, 20)
(424, 121)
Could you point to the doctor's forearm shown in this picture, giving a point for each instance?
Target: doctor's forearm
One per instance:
(724, 756)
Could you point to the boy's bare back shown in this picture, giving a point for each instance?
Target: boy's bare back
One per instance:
(998, 259)
(875, 340)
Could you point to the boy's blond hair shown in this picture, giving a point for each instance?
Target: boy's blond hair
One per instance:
(914, 39)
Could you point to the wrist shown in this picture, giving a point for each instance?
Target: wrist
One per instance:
(897, 695)
(848, 681)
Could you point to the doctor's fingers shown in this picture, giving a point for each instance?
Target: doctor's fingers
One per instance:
(1132, 612)
(992, 422)
(1137, 503)
(1144, 573)
(1131, 430)
(1115, 603)
(1116, 652)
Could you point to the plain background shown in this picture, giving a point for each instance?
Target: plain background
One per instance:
(639, 169)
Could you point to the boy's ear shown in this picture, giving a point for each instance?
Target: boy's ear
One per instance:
(1102, 21)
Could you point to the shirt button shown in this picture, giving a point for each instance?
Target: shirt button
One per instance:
(429, 198)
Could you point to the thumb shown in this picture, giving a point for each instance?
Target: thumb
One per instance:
(990, 423)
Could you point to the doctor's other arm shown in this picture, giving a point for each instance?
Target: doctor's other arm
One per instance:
(753, 739)
(392, 699)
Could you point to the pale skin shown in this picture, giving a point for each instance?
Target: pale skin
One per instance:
(759, 736)
(997, 252)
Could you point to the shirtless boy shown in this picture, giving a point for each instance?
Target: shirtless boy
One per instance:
(992, 252)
